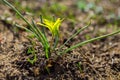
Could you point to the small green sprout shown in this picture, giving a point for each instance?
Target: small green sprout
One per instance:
(79, 67)
(31, 50)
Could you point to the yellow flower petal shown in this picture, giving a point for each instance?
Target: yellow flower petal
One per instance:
(47, 22)
(52, 26)
(44, 25)
(41, 24)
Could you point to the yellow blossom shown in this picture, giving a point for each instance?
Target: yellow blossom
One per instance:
(52, 26)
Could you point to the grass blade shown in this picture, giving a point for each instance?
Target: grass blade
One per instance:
(43, 28)
(7, 3)
(88, 41)
(74, 35)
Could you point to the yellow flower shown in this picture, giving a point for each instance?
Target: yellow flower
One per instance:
(52, 26)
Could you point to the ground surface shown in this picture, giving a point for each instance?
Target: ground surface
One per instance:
(99, 60)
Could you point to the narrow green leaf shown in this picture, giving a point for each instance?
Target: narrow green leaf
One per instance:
(78, 31)
(88, 41)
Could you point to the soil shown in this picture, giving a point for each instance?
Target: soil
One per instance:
(99, 60)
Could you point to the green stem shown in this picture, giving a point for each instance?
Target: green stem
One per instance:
(88, 41)
(43, 28)
(56, 42)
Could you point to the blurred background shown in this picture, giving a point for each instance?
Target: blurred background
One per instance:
(104, 14)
